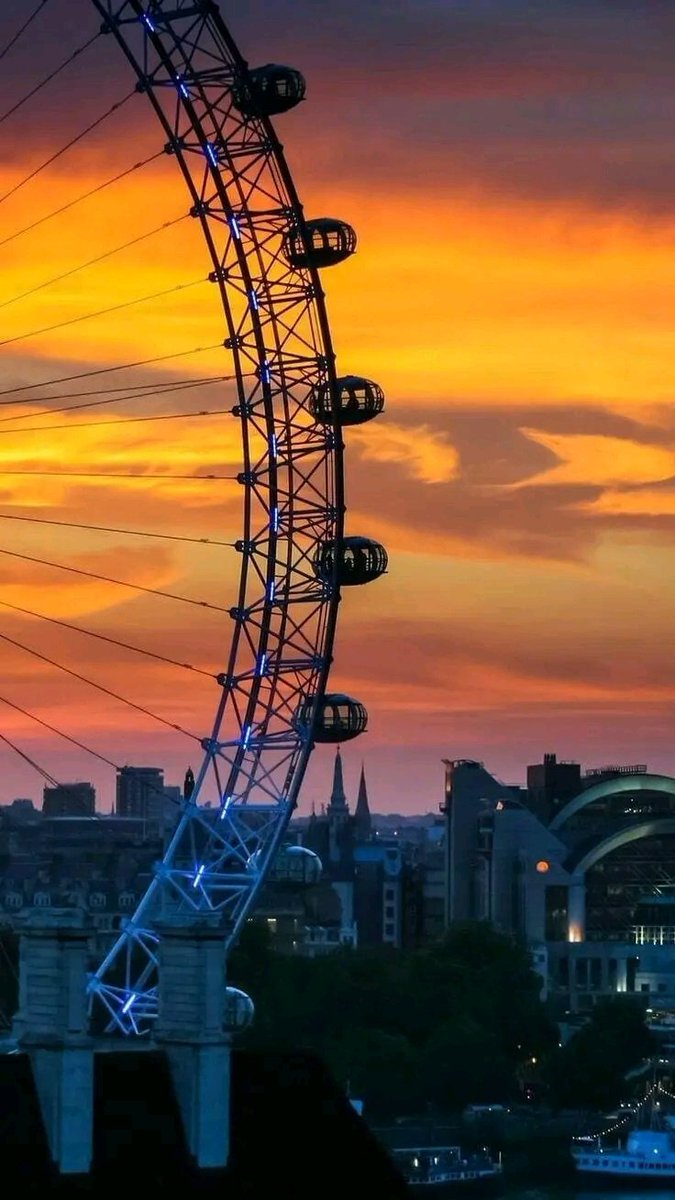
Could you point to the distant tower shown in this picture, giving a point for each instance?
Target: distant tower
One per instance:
(363, 822)
(188, 783)
(337, 805)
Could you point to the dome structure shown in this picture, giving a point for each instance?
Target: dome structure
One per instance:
(360, 560)
(352, 400)
(338, 718)
(319, 243)
(269, 90)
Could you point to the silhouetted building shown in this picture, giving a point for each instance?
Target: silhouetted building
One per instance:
(469, 791)
(369, 893)
(587, 884)
(69, 800)
(100, 864)
(20, 812)
(331, 837)
(550, 784)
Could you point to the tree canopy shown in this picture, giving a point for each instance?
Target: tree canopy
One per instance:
(441, 1026)
(591, 1069)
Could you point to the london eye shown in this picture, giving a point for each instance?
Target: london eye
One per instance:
(267, 657)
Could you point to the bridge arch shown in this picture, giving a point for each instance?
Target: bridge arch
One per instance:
(614, 787)
(622, 837)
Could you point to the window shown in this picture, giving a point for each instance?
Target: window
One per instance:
(389, 912)
(13, 900)
(556, 913)
(127, 900)
(389, 929)
(42, 899)
(97, 900)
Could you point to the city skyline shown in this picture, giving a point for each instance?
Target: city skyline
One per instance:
(509, 178)
(317, 796)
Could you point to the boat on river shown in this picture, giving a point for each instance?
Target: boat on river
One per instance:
(647, 1154)
(440, 1171)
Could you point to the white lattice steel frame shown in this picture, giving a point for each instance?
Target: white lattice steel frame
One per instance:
(283, 622)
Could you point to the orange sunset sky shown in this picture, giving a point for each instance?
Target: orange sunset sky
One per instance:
(510, 170)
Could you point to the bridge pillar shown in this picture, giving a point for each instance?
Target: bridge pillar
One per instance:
(190, 1029)
(576, 909)
(51, 1027)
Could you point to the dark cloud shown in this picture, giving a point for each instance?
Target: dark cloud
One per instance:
(466, 654)
(564, 101)
(540, 521)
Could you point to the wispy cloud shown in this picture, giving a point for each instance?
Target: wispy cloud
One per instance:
(426, 454)
(599, 460)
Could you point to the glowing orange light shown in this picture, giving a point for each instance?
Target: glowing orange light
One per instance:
(542, 866)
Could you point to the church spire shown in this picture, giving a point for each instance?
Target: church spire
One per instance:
(338, 800)
(362, 818)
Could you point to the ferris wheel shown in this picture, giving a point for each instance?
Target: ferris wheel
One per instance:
(270, 665)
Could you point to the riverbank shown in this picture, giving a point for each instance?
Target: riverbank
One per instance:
(534, 1144)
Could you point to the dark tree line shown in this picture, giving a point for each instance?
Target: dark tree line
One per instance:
(440, 1027)
(594, 1068)
(455, 1023)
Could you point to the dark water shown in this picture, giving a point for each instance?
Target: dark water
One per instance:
(569, 1192)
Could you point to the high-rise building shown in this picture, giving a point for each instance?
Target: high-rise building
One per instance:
(69, 800)
(140, 793)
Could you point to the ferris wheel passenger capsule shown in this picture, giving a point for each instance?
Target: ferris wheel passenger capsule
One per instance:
(360, 560)
(297, 865)
(319, 243)
(269, 90)
(338, 718)
(351, 399)
(239, 1010)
